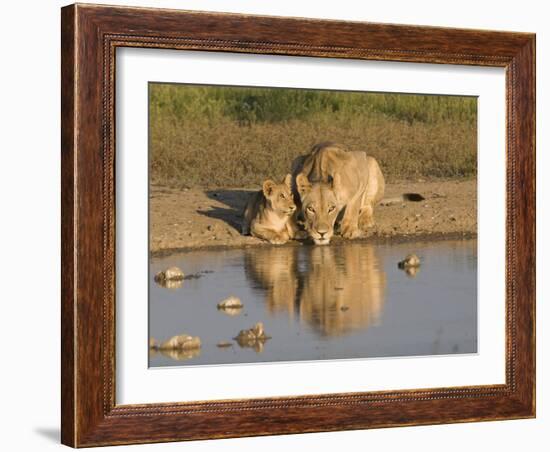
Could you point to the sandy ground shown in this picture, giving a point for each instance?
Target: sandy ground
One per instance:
(196, 218)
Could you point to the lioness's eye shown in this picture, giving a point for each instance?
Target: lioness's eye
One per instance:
(310, 209)
(331, 208)
(282, 195)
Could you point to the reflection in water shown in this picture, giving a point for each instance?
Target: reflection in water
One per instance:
(176, 354)
(255, 344)
(254, 338)
(346, 300)
(170, 284)
(343, 277)
(231, 312)
(411, 272)
(335, 290)
(275, 271)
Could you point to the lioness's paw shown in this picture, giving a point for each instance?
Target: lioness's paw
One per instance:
(349, 230)
(278, 240)
(351, 234)
(366, 223)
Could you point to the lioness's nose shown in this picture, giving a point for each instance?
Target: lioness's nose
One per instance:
(322, 231)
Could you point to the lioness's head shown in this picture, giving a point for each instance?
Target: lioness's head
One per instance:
(279, 196)
(319, 207)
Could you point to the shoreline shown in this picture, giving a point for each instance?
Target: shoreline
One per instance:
(336, 241)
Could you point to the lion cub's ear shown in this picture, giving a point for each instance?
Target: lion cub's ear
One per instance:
(302, 184)
(288, 180)
(268, 187)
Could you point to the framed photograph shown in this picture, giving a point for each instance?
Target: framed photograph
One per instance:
(281, 225)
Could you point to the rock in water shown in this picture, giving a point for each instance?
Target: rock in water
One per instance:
(170, 274)
(181, 342)
(224, 344)
(411, 261)
(253, 337)
(230, 303)
(258, 330)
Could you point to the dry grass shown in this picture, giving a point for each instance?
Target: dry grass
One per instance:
(235, 137)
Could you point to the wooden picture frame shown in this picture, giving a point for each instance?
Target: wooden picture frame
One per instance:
(90, 36)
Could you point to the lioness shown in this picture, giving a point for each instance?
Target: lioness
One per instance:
(269, 214)
(331, 179)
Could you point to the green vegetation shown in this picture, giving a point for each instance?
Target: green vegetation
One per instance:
(228, 136)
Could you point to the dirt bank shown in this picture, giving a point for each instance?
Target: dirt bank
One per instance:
(195, 218)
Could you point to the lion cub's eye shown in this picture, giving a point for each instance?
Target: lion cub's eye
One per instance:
(282, 196)
(310, 209)
(331, 208)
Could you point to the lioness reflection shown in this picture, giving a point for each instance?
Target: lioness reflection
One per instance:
(335, 289)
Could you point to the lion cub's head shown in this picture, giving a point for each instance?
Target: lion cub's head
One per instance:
(279, 196)
(319, 207)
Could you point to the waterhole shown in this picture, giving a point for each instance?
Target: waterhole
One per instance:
(341, 301)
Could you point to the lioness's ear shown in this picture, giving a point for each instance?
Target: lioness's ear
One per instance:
(267, 187)
(302, 184)
(288, 180)
(336, 182)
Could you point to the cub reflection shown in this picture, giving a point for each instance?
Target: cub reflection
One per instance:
(334, 289)
(274, 270)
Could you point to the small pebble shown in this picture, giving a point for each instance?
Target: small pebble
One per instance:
(170, 274)
(181, 342)
(231, 302)
(412, 260)
(254, 334)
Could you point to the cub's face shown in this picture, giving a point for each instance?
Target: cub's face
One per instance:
(279, 196)
(319, 207)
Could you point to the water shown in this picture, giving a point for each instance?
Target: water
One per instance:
(331, 302)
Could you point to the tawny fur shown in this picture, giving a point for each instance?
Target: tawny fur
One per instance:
(330, 180)
(270, 213)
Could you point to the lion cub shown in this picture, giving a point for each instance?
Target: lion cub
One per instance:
(269, 214)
